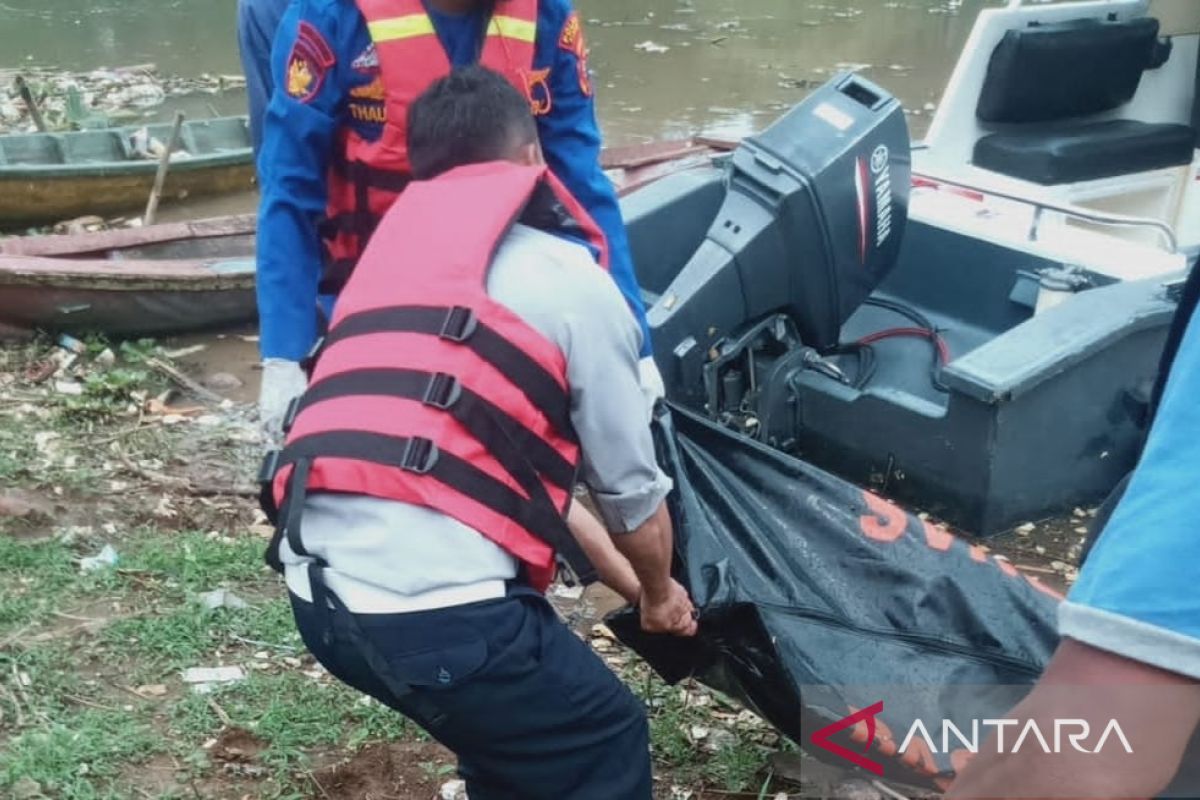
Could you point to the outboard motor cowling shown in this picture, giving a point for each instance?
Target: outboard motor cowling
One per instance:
(812, 222)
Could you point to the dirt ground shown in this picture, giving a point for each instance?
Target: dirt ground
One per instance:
(130, 552)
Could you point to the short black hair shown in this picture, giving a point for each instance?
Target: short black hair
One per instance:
(470, 116)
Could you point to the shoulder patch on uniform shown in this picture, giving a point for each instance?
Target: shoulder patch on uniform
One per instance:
(571, 40)
(308, 63)
(572, 33)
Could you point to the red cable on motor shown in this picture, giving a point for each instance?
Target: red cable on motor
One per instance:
(943, 349)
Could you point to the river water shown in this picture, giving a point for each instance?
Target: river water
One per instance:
(729, 66)
(662, 67)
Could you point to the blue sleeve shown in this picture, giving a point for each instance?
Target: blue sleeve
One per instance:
(298, 134)
(1138, 593)
(570, 139)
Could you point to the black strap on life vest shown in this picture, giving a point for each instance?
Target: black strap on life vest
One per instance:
(486, 421)
(461, 325)
(358, 222)
(420, 456)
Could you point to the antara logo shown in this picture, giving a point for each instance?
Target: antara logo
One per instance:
(1006, 735)
(867, 715)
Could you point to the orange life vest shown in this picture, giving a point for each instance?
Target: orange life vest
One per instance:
(429, 392)
(365, 176)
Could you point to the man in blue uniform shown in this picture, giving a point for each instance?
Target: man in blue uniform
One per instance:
(327, 73)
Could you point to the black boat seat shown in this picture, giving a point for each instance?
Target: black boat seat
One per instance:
(1072, 152)
(1046, 84)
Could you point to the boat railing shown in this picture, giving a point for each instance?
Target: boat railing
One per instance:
(1042, 207)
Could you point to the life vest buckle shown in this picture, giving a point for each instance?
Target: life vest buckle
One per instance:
(309, 362)
(293, 411)
(460, 323)
(266, 485)
(270, 467)
(443, 391)
(420, 456)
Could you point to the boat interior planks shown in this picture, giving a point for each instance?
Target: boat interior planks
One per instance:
(48, 177)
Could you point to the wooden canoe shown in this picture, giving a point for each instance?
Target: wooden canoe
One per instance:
(49, 177)
(179, 277)
(163, 279)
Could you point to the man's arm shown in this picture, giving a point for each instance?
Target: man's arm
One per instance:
(600, 343)
(614, 569)
(570, 139)
(1157, 712)
(298, 136)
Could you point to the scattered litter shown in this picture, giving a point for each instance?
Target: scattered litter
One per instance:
(105, 559)
(152, 690)
(561, 590)
(223, 382)
(72, 344)
(720, 739)
(183, 352)
(1026, 529)
(603, 631)
(222, 598)
(106, 358)
(453, 790)
(650, 47)
(69, 388)
(204, 679)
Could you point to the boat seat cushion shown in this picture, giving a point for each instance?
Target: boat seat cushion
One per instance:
(1069, 69)
(1052, 155)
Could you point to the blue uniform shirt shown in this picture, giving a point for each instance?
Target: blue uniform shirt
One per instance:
(299, 137)
(1138, 595)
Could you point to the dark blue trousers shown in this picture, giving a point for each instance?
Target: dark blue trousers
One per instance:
(529, 709)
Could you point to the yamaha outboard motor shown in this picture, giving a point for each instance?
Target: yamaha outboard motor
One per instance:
(812, 222)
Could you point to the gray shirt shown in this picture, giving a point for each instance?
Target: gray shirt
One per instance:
(389, 557)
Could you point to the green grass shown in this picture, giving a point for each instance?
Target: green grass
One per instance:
(733, 766)
(35, 577)
(196, 561)
(291, 714)
(188, 635)
(77, 756)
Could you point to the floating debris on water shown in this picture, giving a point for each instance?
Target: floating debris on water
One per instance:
(100, 98)
(650, 47)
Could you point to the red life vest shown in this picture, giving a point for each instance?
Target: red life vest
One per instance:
(365, 176)
(429, 392)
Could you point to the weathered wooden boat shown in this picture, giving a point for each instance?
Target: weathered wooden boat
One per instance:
(179, 277)
(48, 177)
(940, 321)
(160, 279)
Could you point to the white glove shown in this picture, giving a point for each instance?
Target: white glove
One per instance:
(651, 381)
(282, 381)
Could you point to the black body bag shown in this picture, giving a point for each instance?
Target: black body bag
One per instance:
(818, 601)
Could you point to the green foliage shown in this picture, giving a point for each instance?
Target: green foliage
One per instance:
(291, 714)
(105, 394)
(733, 766)
(35, 574)
(187, 635)
(76, 756)
(197, 561)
